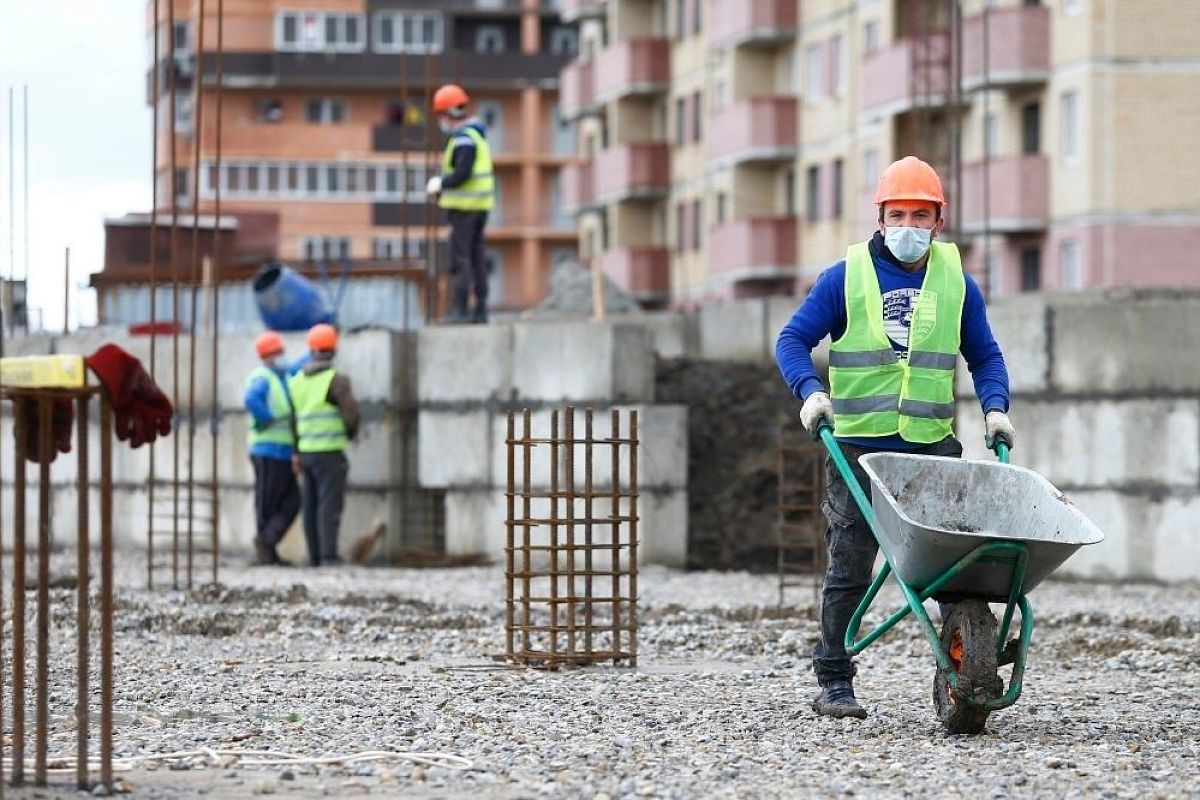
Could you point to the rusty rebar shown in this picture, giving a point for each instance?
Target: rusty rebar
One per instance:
(569, 470)
(553, 522)
(214, 425)
(615, 432)
(106, 594)
(154, 99)
(588, 488)
(174, 202)
(82, 608)
(432, 285)
(526, 511)
(20, 423)
(45, 450)
(633, 499)
(510, 499)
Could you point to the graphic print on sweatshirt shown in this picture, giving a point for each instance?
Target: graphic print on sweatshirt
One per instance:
(898, 308)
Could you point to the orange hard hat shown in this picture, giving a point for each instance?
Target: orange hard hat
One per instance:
(910, 178)
(448, 98)
(267, 344)
(322, 337)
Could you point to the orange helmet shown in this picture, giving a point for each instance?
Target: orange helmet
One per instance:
(910, 178)
(322, 337)
(267, 344)
(448, 98)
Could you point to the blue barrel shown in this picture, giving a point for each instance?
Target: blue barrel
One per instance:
(287, 301)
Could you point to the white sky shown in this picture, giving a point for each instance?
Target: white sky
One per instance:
(84, 62)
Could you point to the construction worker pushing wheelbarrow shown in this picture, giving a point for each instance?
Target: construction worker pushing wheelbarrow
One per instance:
(899, 310)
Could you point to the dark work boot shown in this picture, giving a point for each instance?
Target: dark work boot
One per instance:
(837, 700)
(264, 555)
(479, 316)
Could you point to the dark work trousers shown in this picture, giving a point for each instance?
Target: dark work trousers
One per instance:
(468, 262)
(852, 550)
(276, 498)
(324, 497)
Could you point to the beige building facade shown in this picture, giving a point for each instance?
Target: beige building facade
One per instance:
(730, 148)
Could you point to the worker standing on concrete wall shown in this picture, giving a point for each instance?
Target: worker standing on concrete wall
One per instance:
(326, 421)
(276, 493)
(898, 309)
(466, 189)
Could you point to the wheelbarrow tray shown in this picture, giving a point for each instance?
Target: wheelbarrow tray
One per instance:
(931, 511)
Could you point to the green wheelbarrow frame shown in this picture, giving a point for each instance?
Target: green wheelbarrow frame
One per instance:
(1012, 553)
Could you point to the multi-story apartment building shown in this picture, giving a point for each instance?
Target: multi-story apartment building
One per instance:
(326, 142)
(730, 149)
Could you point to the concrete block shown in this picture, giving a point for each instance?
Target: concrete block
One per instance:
(464, 364)
(1116, 516)
(734, 331)
(582, 362)
(476, 523)
(663, 528)
(1019, 325)
(1125, 342)
(668, 332)
(38, 344)
(1176, 547)
(454, 448)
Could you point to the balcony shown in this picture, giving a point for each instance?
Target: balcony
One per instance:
(754, 249)
(1018, 41)
(752, 22)
(577, 89)
(1018, 192)
(644, 272)
(757, 129)
(636, 66)
(578, 187)
(403, 138)
(575, 10)
(907, 75)
(633, 172)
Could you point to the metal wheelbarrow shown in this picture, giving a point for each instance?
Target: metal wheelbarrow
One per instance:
(968, 533)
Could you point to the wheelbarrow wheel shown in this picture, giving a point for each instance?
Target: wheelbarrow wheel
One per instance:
(969, 637)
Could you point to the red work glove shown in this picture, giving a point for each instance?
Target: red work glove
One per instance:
(143, 412)
(62, 418)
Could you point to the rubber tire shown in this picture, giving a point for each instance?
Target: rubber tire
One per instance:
(974, 622)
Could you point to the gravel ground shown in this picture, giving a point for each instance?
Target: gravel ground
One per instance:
(350, 659)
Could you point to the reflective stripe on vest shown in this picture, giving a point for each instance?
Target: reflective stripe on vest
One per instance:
(477, 193)
(319, 424)
(279, 429)
(873, 392)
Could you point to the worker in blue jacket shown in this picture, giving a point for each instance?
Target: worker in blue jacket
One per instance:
(271, 438)
(898, 292)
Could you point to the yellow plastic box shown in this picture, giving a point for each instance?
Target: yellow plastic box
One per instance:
(43, 372)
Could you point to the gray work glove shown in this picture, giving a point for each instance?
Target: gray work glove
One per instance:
(816, 406)
(997, 423)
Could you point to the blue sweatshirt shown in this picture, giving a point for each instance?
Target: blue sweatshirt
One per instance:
(823, 313)
(258, 403)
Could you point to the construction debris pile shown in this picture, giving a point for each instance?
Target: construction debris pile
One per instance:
(358, 660)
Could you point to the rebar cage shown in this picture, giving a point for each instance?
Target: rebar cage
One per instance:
(572, 540)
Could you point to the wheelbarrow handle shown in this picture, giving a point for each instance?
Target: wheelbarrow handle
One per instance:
(1001, 445)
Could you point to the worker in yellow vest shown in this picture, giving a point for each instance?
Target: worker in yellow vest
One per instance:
(276, 493)
(465, 189)
(898, 310)
(327, 421)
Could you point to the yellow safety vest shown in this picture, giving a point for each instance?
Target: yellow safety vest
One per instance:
(477, 193)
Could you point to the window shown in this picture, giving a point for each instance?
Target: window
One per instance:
(870, 174)
(1070, 278)
(490, 39)
(393, 248)
(1031, 129)
(564, 41)
(1031, 269)
(319, 248)
(680, 225)
(680, 18)
(183, 112)
(680, 120)
(992, 265)
(792, 78)
(181, 184)
(789, 192)
(270, 111)
(813, 81)
(492, 115)
(991, 134)
(722, 207)
(409, 32)
(297, 31)
(182, 38)
(837, 66)
(1070, 126)
(870, 34)
(326, 110)
(697, 105)
(697, 224)
(837, 196)
(812, 191)
(697, 19)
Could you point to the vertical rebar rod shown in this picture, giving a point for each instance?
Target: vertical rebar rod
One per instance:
(587, 532)
(526, 488)
(106, 594)
(432, 304)
(20, 424)
(45, 449)
(172, 86)
(66, 289)
(554, 456)
(510, 540)
(569, 470)
(25, 196)
(615, 441)
(12, 213)
(193, 285)
(82, 610)
(634, 500)
(214, 424)
(404, 168)
(1, 617)
(156, 72)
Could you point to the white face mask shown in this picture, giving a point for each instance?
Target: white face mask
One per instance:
(445, 126)
(907, 244)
